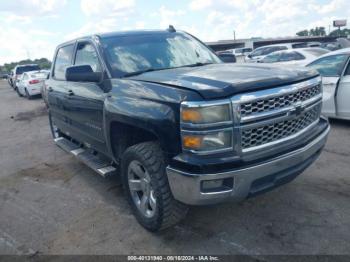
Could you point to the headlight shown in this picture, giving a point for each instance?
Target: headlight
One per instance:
(207, 141)
(196, 113)
(206, 127)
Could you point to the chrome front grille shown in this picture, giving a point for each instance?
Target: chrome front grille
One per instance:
(269, 117)
(263, 105)
(272, 132)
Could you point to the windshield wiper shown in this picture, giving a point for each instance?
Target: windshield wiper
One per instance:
(145, 71)
(197, 64)
(139, 72)
(158, 69)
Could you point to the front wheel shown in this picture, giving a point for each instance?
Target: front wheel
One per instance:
(148, 191)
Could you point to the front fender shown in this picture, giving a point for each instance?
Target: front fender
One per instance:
(157, 118)
(149, 106)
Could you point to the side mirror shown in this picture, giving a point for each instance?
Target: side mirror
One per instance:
(82, 73)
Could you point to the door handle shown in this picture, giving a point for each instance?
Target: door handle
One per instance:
(70, 93)
(50, 89)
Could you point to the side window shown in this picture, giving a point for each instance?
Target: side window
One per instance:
(290, 56)
(272, 58)
(62, 61)
(298, 56)
(330, 65)
(347, 71)
(86, 55)
(281, 48)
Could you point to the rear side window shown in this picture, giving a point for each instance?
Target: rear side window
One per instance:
(86, 55)
(62, 61)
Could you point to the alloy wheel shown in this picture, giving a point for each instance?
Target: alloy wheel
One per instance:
(141, 189)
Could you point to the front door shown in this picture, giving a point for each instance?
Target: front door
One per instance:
(343, 95)
(329, 85)
(85, 101)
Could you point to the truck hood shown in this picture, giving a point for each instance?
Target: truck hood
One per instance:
(222, 80)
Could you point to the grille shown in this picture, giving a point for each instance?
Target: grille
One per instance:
(277, 102)
(276, 131)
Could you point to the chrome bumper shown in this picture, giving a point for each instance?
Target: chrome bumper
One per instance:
(186, 187)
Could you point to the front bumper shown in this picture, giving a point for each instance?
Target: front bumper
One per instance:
(247, 181)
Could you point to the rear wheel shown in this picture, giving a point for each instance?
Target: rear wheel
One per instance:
(28, 96)
(148, 191)
(19, 94)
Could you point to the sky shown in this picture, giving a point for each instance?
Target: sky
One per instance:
(33, 28)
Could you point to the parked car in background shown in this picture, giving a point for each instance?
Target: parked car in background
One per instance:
(314, 44)
(19, 70)
(227, 57)
(178, 125)
(44, 90)
(242, 51)
(334, 67)
(260, 52)
(10, 77)
(30, 83)
(299, 57)
(4, 75)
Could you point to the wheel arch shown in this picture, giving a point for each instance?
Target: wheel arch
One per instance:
(124, 135)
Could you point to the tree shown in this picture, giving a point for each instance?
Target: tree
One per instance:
(43, 63)
(317, 31)
(303, 33)
(343, 32)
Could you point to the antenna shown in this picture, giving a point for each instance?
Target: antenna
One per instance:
(171, 29)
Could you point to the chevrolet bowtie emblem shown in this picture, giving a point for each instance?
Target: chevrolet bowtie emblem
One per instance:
(298, 109)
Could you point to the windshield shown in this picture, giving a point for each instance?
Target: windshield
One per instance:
(20, 70)
(39, 75)
(137, 53)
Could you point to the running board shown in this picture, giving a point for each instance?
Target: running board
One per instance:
(102, 167)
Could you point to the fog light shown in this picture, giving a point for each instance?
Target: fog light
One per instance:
(217, 185)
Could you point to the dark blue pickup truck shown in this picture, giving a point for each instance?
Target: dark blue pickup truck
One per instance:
(179, 126)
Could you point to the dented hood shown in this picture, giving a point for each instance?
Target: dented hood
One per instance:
(222, 80)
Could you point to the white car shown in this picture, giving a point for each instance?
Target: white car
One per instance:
(260, 52)
(334, 67)
(299, 57)
(30, 83)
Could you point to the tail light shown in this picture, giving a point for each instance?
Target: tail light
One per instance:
(34, 81)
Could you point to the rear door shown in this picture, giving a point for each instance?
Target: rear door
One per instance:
(57, 87)
(85, 100)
